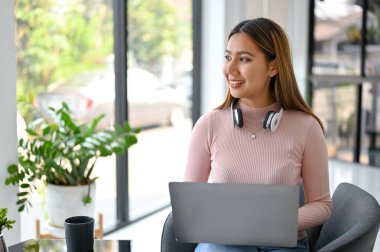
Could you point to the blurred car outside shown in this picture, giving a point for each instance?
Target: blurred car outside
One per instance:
(90, 94)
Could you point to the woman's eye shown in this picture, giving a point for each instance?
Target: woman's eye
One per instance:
(244, 59)
(227, 57)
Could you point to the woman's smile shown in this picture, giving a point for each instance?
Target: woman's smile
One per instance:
(236, 83)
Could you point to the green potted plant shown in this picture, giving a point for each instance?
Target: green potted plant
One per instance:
(4, 223)
(62, 154)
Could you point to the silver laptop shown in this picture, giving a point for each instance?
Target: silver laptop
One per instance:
(239, 214)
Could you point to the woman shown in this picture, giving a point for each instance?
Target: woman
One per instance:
(289, 149)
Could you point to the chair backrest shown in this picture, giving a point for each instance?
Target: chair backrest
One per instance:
(354, 223)
(168, 242)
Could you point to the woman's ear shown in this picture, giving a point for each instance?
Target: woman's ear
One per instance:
(273, 68)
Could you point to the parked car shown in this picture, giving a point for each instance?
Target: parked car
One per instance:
(93, 93)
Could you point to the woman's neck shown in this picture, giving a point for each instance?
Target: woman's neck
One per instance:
(256, 103)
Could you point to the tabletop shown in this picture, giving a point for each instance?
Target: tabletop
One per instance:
(59, 245)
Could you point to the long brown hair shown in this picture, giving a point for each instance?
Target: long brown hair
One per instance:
(273, 41)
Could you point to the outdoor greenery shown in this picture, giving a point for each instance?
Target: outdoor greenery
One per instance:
(156, 30)
(4, 222)
(58, 39)
(61, 152)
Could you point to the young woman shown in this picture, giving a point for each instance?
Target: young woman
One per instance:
(264, 132)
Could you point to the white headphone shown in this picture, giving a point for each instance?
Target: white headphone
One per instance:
(271, 120)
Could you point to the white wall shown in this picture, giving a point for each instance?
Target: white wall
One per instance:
(213, 37)
(8, 137)
(297, 27)
(220, 16)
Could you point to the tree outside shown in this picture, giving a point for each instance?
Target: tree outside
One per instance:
(57, 39)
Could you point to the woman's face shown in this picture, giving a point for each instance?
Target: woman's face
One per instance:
(247, 71)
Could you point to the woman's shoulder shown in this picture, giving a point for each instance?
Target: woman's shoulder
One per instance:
(299, 115)
(211, 122)
(301, 119)
(215, 114)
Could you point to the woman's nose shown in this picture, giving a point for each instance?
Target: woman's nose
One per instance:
(232, 68)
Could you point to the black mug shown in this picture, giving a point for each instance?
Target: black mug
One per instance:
(79, 233)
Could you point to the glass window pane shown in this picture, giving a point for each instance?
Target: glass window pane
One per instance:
(159, 87)
(335, 105)
(373, 39)
(370, 153)
(337, 36)
(65, 53)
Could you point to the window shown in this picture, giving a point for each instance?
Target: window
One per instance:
(345, 77)
(337, 35)
(159, 87)
(65, 52)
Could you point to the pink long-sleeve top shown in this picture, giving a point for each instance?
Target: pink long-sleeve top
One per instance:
(220, 153)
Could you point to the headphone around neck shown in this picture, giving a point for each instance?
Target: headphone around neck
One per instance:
(271, 120)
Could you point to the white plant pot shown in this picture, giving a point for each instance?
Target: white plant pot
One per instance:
(63, 202)
(3, 246)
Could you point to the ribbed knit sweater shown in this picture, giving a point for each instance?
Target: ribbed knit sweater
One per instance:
(220, 153)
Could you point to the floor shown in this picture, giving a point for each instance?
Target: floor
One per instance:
(146, 234)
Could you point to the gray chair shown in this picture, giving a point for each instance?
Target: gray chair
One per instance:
(353, 225)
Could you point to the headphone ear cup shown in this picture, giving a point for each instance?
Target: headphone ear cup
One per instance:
(275, 122)
(238, 118)
(237, 115)
(272, 120)
(267, 119)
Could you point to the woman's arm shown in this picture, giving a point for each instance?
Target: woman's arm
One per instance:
(315, 178)
(198, 163)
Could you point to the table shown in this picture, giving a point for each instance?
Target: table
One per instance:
(59, 245)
